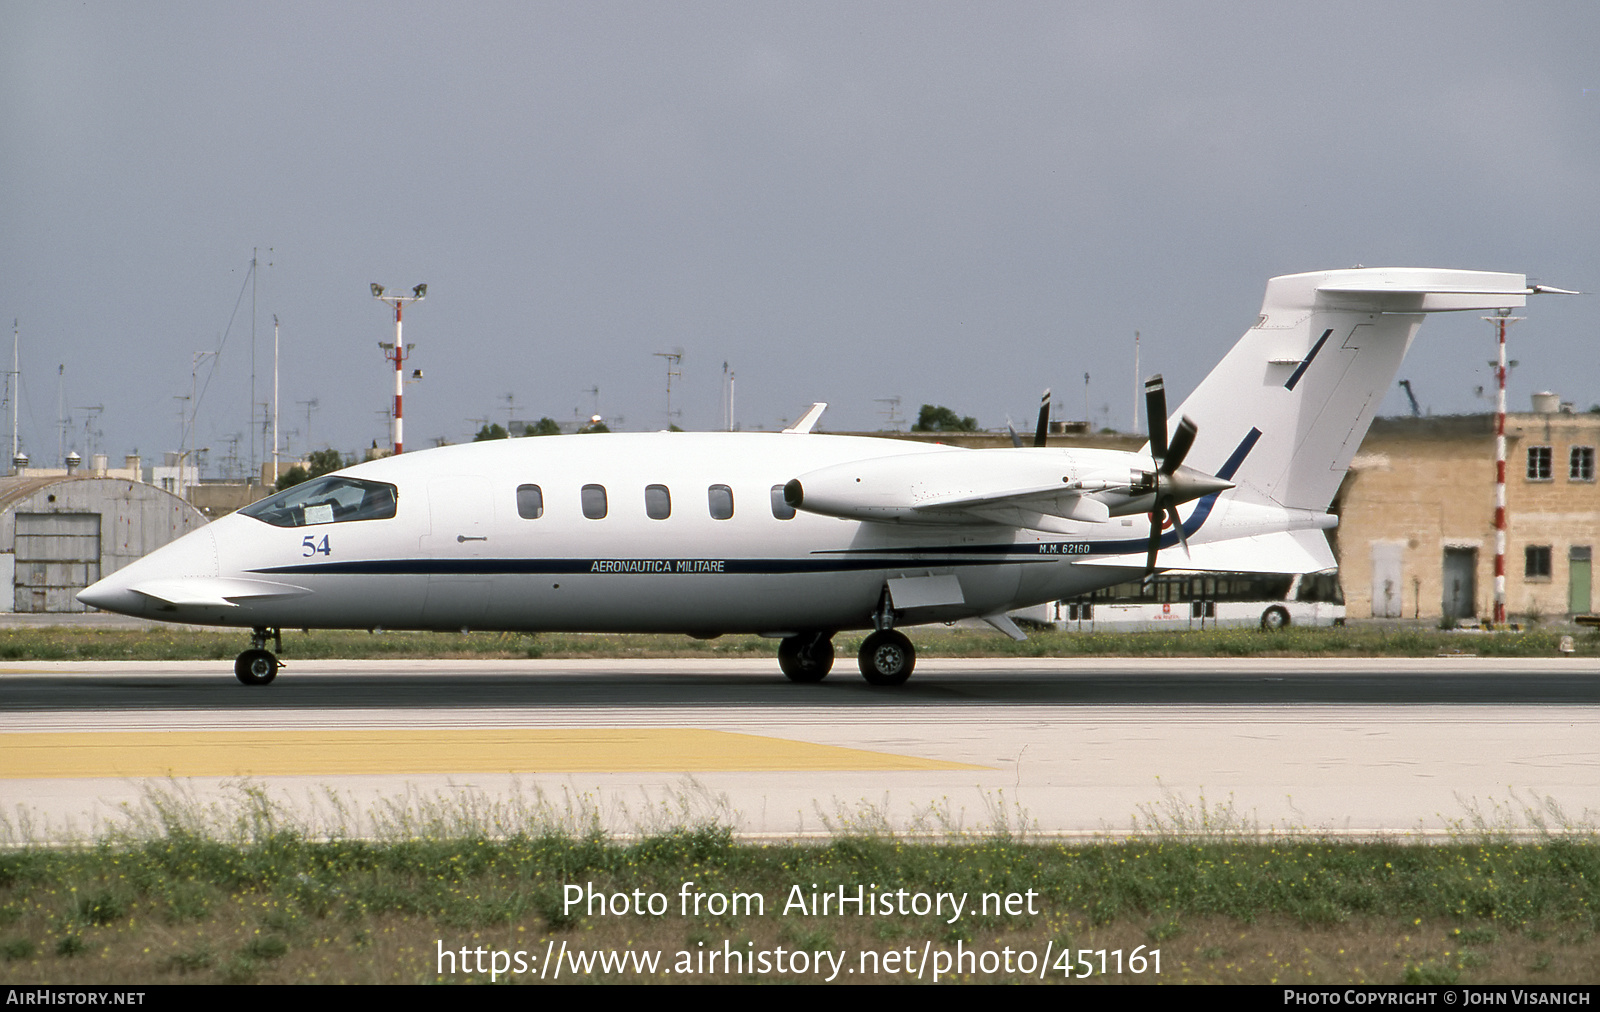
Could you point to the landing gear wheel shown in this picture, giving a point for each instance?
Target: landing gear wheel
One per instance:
(256, 667)
(806, 659)
(887, 658)
(1274, 618)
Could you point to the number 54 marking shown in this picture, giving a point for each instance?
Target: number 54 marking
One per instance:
(312, 546)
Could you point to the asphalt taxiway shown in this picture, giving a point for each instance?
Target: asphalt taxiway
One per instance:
(1051, 745)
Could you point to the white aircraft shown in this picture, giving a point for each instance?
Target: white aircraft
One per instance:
(797, 535)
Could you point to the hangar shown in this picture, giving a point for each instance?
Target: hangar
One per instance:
(61, 532)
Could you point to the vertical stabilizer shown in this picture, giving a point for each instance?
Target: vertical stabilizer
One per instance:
(1311, 373)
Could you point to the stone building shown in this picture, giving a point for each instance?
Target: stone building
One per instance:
(1416, 532)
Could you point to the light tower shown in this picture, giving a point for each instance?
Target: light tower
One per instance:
(1500, 320)
(398, 352)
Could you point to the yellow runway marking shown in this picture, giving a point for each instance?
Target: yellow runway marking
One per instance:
(399, 750)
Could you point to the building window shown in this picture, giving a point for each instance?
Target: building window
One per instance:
(1539, 466)
(1580, 464)
(721, 501)
(657, 502)
(1536, 562)
(530, 502)
(594, 502)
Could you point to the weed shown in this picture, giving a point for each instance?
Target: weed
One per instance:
(17, 948)
(101, 908)
(190, 960)
(266, 947)
(1477, 936)
(1163, 931)
(1431, 972)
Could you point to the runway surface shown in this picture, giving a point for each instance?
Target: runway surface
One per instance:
(1054, 746)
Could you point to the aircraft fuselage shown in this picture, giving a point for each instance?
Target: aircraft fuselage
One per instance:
(459, 553)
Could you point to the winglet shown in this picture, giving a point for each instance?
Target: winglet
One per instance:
(809, 419)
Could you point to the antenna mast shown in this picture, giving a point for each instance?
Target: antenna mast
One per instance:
(674, 359)
(274, 399)
(16, 375)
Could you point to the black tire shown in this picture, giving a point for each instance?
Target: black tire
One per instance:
(1274, 617)
(256, 667)
(887, 658)
(806, 659)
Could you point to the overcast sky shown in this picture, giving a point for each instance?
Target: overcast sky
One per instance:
(949, 203)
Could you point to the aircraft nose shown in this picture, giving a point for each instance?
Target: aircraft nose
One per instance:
(112, 594)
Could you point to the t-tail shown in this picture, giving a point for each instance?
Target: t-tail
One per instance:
(1299, 390)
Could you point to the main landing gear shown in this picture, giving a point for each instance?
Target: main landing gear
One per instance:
(258, 665)
(886, 657)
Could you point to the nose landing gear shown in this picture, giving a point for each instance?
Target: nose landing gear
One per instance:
(258, 665)
(806, 658)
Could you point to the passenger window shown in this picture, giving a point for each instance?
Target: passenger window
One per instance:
(530, 502)
(780, 506)
(657, 502)
(721, 498)
(594, 502)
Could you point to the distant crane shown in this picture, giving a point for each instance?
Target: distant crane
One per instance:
(1416, 412)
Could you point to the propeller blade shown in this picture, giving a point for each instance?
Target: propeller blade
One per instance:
(1155, 412)
(1043, 428)
(1016, 440)
(1182, 440)
(1155, 546)
(1172, 514)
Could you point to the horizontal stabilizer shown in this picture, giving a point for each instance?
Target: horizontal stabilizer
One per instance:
(1312, 372)
(1304, 551)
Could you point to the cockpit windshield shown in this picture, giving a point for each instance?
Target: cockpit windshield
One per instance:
(333, 499)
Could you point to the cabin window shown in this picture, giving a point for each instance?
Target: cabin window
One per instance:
(594, 502)
(530, 502)
(780, 506)
(657, 502)
(332, 499)
(721, 500)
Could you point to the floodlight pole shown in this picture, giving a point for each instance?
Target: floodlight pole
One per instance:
(1500, 319)
(398, 352)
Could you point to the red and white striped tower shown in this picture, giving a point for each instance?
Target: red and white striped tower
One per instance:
(1500, 320)
(398, 352)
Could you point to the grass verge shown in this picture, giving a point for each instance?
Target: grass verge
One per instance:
(244, 893)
